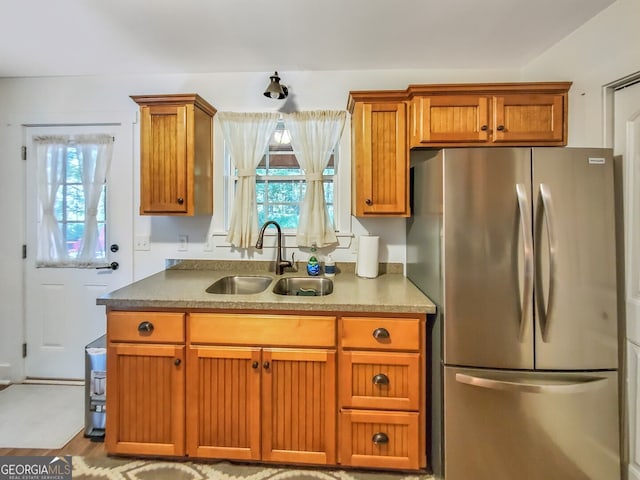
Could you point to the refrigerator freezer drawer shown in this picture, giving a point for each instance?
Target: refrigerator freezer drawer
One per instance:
(501, 425)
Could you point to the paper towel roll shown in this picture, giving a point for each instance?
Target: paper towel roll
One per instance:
(367, 261)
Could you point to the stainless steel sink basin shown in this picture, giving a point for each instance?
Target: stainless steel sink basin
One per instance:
(240, 285)
(304, 286)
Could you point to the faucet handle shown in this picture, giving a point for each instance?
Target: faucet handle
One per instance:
(293, 265)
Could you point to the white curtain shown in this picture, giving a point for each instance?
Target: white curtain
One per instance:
(313, 137)
(247, 136)
(94, 156)
(94, 153)
(51, 155)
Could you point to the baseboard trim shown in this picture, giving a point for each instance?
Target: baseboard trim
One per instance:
(53, 381)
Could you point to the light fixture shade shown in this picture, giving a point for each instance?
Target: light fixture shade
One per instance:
(275, 89)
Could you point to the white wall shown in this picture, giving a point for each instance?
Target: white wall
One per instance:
(603, 50)
(60, 99)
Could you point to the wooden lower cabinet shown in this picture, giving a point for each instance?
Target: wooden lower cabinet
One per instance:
(268, 404)
(146, 399)
(370, 438)
(192, 385)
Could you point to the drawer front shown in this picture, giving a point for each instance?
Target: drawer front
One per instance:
(379, 439)
(268, 330)
(385, 380)
(381, 333)
(152, 327)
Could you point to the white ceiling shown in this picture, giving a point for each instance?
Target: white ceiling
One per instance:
(80, 37)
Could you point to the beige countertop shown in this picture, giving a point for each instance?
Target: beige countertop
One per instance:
(183, 286)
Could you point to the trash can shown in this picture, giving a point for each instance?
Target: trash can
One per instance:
(95, 388)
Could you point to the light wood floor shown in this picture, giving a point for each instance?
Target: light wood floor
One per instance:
(79, 445)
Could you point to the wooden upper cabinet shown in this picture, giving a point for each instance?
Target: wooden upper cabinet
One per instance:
(449, 118)
(380, 163)
(510, 114)
(176, 154)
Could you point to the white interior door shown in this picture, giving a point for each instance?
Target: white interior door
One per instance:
(627, 143)
(61, 315)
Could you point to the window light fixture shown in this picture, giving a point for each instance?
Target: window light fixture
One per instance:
(275, 89)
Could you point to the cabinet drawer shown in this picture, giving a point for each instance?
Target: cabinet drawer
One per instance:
(271, 330)
(381, 333)
(379, 439)
(384, 380)
(154, 327)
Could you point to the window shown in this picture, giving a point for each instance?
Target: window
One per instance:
(70, 209)
(71, 174)
(280, 185)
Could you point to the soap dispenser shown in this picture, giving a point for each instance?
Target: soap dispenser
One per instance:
(313, 266)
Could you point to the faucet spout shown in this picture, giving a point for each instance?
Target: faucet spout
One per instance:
(280, 263)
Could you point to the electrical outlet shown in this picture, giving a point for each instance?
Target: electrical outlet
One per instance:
(183, 242)
(142, 243)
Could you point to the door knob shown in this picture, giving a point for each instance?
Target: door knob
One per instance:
(114, 247)
(111, 266)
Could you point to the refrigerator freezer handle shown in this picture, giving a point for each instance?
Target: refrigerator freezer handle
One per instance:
(521, 385)
(546, 314)
(527, 241)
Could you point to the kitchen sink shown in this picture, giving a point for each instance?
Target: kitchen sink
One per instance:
(240, 285)
(304, 286)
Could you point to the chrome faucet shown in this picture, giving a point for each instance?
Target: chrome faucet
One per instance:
(280, 263)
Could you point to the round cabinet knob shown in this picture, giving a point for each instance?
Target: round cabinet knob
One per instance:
(380, 438)
(255, 365)
(380, 379)
(368, 201)
(266, 365)
(500, 128)
(177, 362)
(381, 334)
(180, 200)
(484, 128)
(145, 327)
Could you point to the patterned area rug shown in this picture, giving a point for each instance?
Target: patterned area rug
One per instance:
(85, 468)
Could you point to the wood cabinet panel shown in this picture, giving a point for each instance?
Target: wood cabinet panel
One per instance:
(299, 413)
(383, 380)
(380, 167)
(176, 154)
(379, 439)
(246, 329)
(447, 118)
(223, 408)
(152, 327)
(146, 399)
(380, 333)
(529, 118)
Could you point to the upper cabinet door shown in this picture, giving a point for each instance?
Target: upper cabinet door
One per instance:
(381, 159)
(163, 159)
(176, 154)
(529, 118)
(449, 119)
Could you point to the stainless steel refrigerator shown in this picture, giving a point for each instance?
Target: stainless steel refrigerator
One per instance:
(516, 247)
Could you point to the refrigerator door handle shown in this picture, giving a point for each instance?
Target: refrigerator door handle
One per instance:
(546, 314)
(527, 241)
(521, 385)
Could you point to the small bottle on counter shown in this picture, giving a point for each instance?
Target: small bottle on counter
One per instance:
(329, 267)
(313, 266)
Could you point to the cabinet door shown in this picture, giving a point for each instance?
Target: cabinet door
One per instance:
(381, 159)
(299, 406)
(145, 400)
(163, 159)
(445, 119)
(529, 118)
(224, 402)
